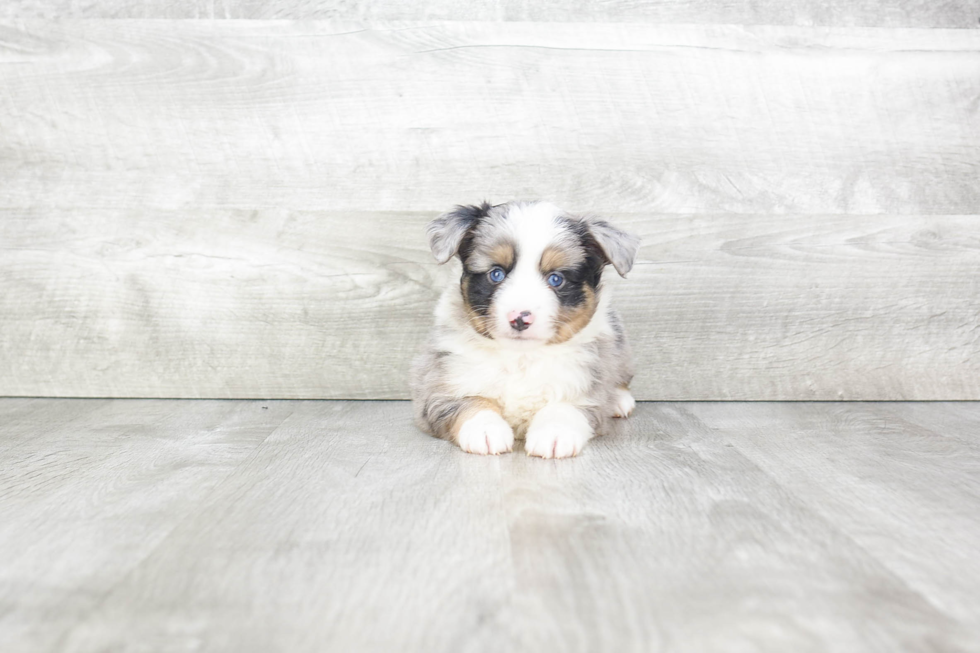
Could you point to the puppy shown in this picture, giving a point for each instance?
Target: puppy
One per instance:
(526, 345)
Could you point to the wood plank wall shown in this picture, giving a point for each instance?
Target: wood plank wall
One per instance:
(833, 13)
(215, 208)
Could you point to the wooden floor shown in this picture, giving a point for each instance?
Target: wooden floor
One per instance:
(241, 526)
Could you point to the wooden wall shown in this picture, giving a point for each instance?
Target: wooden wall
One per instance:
(834, 13)
(234, 208)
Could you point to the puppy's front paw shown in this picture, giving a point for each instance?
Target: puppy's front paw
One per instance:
(557, 431)
(486, 433)
(623, 403)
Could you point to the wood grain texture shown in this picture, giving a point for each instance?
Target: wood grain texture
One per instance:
(235, 208)
(844, 462)
(952, 420)
(314, 115)
(25, 419)
(871, 13)
(696, 527)
(297, 304)
(90, 488)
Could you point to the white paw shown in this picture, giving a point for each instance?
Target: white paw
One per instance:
(557, 431)
(486, 433)
(623, 404)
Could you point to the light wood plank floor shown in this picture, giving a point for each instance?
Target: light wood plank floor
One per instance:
(257, 526)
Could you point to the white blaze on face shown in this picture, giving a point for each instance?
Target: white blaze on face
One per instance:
(533, 228)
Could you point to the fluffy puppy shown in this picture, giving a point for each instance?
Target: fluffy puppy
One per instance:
(527, 343)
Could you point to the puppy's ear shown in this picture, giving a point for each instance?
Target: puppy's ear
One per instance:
(618, 246)
(446, 232)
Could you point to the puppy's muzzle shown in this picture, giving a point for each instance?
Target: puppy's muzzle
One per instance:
(520, 320)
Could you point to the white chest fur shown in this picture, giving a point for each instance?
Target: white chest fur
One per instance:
(523, 382)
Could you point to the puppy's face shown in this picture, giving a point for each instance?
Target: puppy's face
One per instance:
(531, 273)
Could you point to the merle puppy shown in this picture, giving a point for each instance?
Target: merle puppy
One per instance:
(526, 344)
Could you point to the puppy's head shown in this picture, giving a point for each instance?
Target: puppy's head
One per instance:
(531, 273)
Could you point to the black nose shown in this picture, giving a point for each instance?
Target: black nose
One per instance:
(519, 323)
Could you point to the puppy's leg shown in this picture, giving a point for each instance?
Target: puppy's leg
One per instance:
(474, 423)
(623, 402)
(481, 429)
(558, 430)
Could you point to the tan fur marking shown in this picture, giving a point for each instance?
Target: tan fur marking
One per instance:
(554, 258)
(481, 323)
(572, 320)
(499, 251)
(472, 406)
(502, 254)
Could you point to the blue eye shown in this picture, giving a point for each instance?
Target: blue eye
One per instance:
(497, 275)
(555, 279)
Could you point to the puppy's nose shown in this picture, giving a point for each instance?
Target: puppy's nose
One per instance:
(520, 320)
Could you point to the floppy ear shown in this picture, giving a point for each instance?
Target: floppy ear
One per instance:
(446, 232)
(618, 246)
